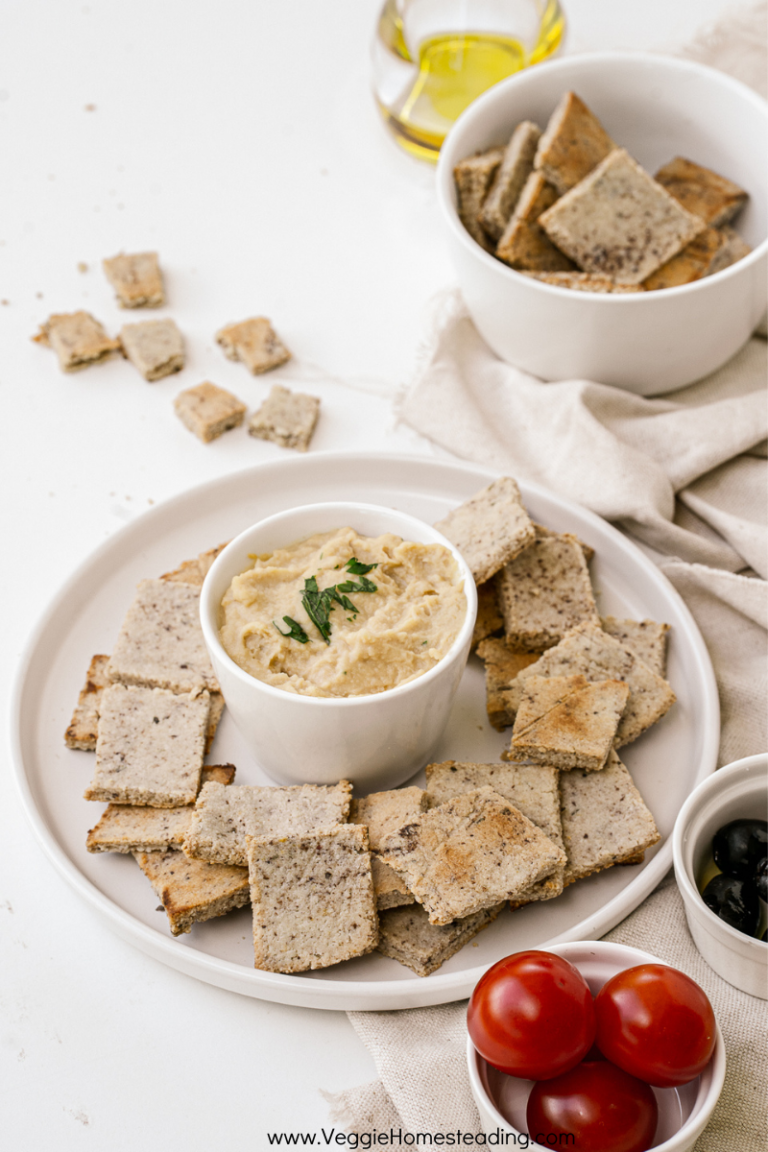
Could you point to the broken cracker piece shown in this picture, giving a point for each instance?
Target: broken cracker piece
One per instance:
(150, 746)
(83, 727)
(545, 591)
(490, 528)
(136, 279)
(574, 142)
(190, 891)
(406, 935)
(312, 897)
(502, 664)
(597, 656)
(605, 820)
(77, 339)
(383, 813)
(469, 854)
(161, 642)
(154, 347)
(255, 343)
(701, 191)
(223, 817)
(566, 722)
(286, 418)
(208, 410)
(489, 619)
(139, 828)
(472, 178)
(619, 222)
(194, 571)
(509, 179)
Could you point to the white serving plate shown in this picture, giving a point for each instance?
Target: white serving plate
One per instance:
(84, 618)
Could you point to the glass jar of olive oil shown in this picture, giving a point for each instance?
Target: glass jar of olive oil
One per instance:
(432, 58)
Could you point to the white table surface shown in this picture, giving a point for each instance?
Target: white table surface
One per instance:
(240, 140)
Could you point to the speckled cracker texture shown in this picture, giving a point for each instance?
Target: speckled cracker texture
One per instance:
(150, 746)
(619, 222)
(406, 935)
(472, 178)
(255, 343)
(191, 891)
(161, 644)
(469, 854)
(312, 897)
(573, 143)
(605, 819)
(701, 191)
(509, 179)
(136, 279)
(154, 347)
(502, 665)
(566, 722)
(490, 528)
(83, 727)
(78, 340)
(383, 813)
(646, 638)
(286, 418)
(208, 410)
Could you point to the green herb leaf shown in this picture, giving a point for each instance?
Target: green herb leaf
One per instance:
(317, 606)
(344, 601)
(365, 585)
(296, 632)
(357, 568)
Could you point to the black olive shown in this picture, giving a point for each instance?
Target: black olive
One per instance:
(738, 846)
(734, 901)
(761, 878)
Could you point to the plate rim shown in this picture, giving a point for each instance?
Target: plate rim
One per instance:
(295, 989)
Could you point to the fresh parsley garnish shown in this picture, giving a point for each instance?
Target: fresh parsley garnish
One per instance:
(318, 605)
(357, 568)
(364, 585)
(296, 632)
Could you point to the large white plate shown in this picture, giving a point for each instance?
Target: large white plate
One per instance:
(667, 762)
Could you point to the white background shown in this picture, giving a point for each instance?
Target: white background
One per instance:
(240, 140)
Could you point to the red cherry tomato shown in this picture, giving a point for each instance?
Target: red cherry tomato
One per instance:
(656, 1023)
(602, 1108)
(532, 1015)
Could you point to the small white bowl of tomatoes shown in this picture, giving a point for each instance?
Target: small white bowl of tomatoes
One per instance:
(593, 1046)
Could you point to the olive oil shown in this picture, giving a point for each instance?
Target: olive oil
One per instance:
(421, 91)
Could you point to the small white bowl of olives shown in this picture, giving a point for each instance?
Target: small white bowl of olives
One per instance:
(720, 845)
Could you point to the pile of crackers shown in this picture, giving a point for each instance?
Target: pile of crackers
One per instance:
(570, 207)
(156, 350)
(412, 872)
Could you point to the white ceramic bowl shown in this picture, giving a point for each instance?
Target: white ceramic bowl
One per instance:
(683, 1112)
(375, 741)
(656, 107)
(739, 791)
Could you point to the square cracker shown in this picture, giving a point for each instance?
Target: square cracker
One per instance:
(710, 252)
(136, 279)
(502, 664)
(472, 178)
(135, 828)
(510, 177)
(208, 410)
(383, 813)
(605, 820)
(77, 338)
(531, 788)
(406, 935)
(597, 656)
(150, 746)
(619, 222)
(701, 191)
(490, 528)
(84, 725)
(255, 343)
(194, 571)
(154, 347)
(489, 619)
(646, 638)
(545, 591)
(312, 897)
(160, 644)
(190, 891)
(286, 418)
(469, 854)
(224, 816)
(574, 142)
(566, 722)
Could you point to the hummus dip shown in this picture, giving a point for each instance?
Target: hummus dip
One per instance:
(398, 632)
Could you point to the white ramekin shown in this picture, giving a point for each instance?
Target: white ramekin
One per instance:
(375, 741)
(739, 791)
(656, 107)
(683, 1112)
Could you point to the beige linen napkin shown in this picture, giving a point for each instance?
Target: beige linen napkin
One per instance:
(686, 476)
